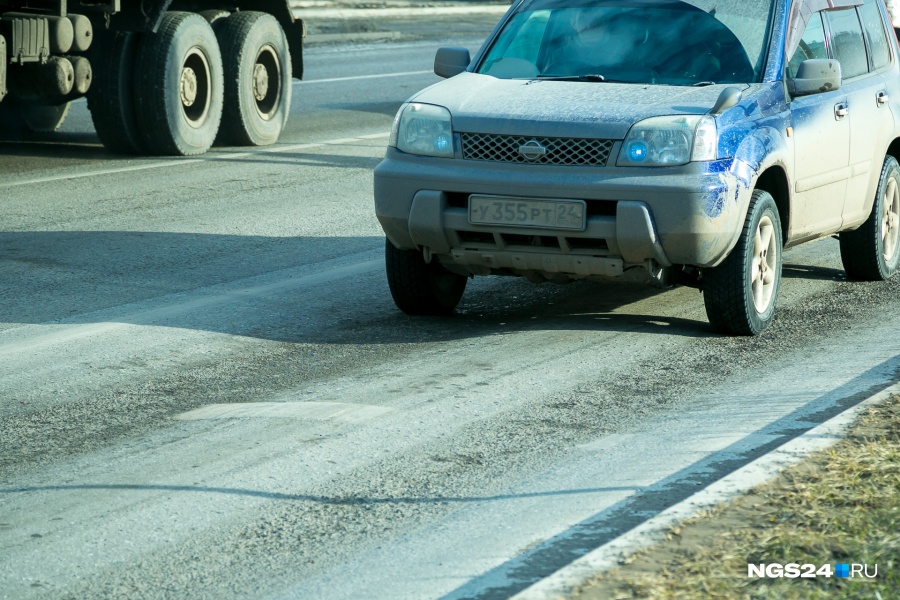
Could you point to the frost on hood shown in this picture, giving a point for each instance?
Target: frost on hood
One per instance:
(801, 11)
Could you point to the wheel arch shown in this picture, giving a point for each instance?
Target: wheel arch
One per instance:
(894, 149)
(774, 180)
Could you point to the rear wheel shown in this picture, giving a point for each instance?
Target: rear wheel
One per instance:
(872, 252)
(178, 88)
(257, 79)
(421, 288)
(740, 294)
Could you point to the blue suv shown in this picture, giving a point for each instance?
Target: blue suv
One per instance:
(676, 141)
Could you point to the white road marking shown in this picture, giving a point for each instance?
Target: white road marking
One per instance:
(165, 308)
(183, 162)
(355, 77)
(320, 411)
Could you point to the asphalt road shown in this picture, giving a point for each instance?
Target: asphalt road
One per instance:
(206, 391)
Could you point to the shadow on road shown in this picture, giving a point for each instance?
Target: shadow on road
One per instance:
(793, 271)
(58, 145)
(257, 286)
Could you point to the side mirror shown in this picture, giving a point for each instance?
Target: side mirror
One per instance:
(815, 76)
(451, 61)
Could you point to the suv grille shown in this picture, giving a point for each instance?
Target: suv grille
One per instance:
(558, 151)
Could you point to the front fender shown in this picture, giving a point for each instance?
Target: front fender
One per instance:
(726, 205)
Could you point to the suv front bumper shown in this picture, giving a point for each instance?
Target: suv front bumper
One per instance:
(686, 215)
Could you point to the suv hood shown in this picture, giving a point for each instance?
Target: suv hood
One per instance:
(546, 108)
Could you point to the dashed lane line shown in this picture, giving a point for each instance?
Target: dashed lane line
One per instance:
(317, 411)
(306, 82)
(183, 162)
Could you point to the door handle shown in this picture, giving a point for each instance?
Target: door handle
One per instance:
(841, 110)
(882, 98)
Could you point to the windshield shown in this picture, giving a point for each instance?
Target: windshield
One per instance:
(694, 42)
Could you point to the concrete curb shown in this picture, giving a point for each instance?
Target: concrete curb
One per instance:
(763, 469)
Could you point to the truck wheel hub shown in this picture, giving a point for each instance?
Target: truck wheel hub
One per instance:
(260, 82)
(188, 86)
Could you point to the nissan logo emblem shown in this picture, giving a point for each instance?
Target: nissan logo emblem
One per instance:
(532, 150)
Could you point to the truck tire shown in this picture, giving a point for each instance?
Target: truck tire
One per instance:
(257, 79)
(178, 86)
(111, 95)
(872, 252)
(420, 288)
(740, 294)
(43, 119)
(214, 16)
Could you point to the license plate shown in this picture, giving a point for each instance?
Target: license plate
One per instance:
(521, 212)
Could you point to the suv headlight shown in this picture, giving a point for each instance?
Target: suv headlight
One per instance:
(423, 129)
(669, 141)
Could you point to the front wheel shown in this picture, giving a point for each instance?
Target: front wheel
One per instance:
(872, 252)
(178, 86)
(421, 288)
(740, 294)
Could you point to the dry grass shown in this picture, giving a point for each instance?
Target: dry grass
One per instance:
(838, 506)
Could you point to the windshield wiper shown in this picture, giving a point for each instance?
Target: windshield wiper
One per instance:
(590, 77)
(704, 83)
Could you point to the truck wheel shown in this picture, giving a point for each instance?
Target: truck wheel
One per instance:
(214, 16)
(178, 86)
(872, 252)
(257, 79)
(421, 288)
(740, 294)
(44, 119)
(111, 95)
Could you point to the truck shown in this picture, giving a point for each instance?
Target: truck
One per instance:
(681, 142)
(161, 77)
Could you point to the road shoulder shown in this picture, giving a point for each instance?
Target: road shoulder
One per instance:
(692, 546)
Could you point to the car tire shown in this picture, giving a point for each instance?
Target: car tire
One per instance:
(740, 294)
(872, 252)
(421, 288)
(257, 79)
(111, 95)
(178, 88)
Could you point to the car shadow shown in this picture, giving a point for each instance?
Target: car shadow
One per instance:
(289, 289)
(57, 145)
(800, 271)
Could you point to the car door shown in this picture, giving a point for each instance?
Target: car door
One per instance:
(821, 134)
(871, 121)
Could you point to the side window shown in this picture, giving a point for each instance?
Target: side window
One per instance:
(812, 44)
(847, 42)
(879, 52)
